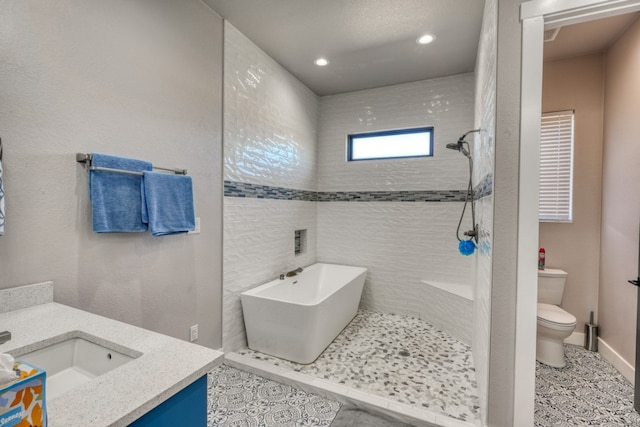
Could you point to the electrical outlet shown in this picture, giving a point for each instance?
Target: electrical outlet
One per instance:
(193, 333)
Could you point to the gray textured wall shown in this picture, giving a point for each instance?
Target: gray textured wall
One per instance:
(139, 79)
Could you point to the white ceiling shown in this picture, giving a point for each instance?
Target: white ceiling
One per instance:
(369, 43)
(588, 37)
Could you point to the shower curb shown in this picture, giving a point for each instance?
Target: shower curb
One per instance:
(345, 395)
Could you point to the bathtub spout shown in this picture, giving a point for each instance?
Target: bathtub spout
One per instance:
(293, 272)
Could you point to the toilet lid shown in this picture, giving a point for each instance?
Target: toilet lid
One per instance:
(554, 314)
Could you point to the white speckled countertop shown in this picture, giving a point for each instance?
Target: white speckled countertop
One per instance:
(119, 397)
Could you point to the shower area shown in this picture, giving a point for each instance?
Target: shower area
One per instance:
(292, 199)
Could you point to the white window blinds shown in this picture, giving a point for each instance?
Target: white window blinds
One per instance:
(556, 167)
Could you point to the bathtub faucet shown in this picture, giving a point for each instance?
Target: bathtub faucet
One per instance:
(291, 273)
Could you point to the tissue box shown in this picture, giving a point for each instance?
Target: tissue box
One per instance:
(22, 402)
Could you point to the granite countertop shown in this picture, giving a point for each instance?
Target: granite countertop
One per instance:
(117, 398)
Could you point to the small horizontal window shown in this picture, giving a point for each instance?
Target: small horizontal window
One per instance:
(390, 144)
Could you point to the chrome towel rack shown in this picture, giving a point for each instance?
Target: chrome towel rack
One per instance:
(86, 159)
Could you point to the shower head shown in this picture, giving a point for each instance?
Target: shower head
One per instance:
(459, 146)
(455, 145)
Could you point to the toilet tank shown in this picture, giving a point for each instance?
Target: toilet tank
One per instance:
(551, 285)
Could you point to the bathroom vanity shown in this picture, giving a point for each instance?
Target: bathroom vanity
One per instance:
(134, 376)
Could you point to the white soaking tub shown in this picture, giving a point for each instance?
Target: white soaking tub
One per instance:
(298, 317)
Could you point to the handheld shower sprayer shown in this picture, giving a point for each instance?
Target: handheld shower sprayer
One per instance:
(467, 247)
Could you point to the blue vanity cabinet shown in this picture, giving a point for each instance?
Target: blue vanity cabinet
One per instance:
(186, 408)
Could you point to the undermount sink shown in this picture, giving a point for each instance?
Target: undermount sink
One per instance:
(73, 362)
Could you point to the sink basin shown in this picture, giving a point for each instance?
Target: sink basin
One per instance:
(73, 362)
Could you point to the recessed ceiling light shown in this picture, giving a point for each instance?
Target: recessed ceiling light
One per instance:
(321, 62)
(426, 39)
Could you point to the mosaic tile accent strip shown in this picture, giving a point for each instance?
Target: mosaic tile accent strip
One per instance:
(239, 398)
(484, 188)
(392, 196)
(588, 391)
(400, 358)
(256, 191)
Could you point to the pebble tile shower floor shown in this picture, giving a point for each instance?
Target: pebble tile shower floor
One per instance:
(400, 358)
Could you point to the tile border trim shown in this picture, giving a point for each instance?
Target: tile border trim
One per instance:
(258, 191)
(484, 188)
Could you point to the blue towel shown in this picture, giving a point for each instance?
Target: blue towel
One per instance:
(169, 201)
(116, 198)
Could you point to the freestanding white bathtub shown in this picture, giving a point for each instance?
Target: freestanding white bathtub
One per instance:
(298, 317)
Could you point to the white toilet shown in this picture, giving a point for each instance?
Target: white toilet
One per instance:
(554, 324)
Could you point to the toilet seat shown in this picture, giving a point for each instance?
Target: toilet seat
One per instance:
(553, 316)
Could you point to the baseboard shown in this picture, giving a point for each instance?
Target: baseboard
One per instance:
(624, 367)
(576, 338)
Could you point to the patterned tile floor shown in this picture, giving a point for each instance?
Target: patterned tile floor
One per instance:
(400, 358)
(240, 399)
(589, 391)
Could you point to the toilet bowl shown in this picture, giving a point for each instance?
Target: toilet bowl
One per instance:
(554, 326)
(554, 323)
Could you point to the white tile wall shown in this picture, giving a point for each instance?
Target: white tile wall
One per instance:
(270, 122)
(485, 116)
(448, 312)
(445, 103)
(270, 139)
(401, 244)
(270, 119)
(258, 247)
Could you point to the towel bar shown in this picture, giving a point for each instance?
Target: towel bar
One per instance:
(86, 159)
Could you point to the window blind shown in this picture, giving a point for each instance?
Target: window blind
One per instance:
(556, 167)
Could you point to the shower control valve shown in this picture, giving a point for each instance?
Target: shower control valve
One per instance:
(472, 233)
